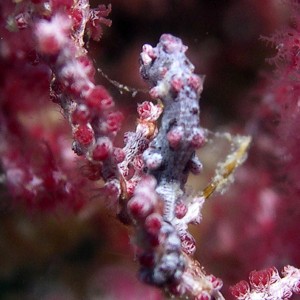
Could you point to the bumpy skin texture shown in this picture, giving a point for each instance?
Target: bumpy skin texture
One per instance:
(170, 155)
(160, 209)
(160, 255)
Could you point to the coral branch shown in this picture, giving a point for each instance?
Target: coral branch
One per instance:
(147, 177)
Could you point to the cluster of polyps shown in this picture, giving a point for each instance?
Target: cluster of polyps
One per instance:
(267, 284)
(88, 107)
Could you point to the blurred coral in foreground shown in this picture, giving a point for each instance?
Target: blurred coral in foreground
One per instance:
(68, 244)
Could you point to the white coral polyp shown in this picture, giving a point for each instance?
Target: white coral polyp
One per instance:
(52, 35)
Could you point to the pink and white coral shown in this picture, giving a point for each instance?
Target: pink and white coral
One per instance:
(267, 284)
